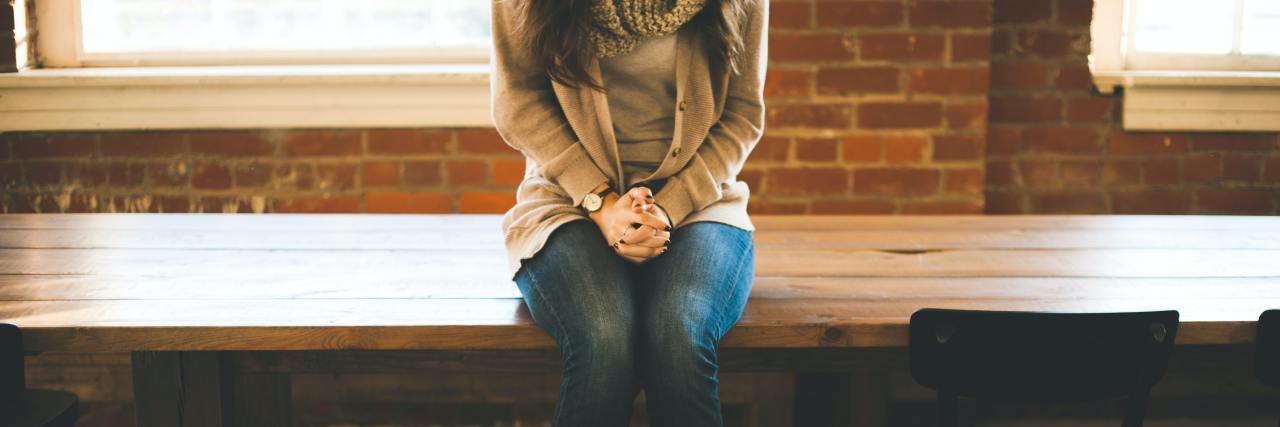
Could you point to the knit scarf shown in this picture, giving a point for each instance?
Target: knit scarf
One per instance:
(618, 25)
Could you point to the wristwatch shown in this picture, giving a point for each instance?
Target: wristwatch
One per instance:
(594, 200)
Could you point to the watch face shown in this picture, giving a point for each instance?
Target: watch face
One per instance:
(591, 202)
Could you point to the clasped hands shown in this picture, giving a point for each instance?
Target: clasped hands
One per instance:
(634, 226)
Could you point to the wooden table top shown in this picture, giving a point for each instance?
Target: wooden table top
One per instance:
(133, 282)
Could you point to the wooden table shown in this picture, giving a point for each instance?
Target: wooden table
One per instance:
(196, 295)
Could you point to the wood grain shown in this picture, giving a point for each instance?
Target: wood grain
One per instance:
(108, 282)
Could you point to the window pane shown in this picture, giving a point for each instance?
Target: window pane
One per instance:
(1183, 26)
(1261, 32)
(276, 25)
(20, 32)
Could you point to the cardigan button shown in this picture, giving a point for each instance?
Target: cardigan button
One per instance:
(681, 105)
(675, 152)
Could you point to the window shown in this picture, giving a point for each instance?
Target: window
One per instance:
(245, 32)
(1190, 64)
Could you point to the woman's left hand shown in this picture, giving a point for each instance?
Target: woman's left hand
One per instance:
(647, 236)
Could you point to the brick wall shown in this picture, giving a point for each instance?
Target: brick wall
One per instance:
(1055, 147)
(874, 107)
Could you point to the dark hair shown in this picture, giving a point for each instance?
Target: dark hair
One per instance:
(558, 36)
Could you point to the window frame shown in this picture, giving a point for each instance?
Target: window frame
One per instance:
(1231, 61)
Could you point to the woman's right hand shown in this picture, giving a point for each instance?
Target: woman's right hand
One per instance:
(633, 232)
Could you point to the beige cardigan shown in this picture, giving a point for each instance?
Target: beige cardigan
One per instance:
(567, 137)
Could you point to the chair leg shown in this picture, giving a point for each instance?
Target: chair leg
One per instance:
(948, 410)
(1136, 408)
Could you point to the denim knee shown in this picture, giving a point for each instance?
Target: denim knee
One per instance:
(679, 347)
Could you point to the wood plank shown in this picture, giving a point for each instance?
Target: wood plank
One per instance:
(478, 324)
(267, 266)
(90, 287)
(180, 389)
(481, 239)
(366, 222)
(261, 400)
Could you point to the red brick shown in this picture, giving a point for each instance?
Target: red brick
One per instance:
(897, 46)
(1003, 141)
(897, 115)
(380, 174)
(823, 116)
(791, 181)
(1075, 12)
(859, 14)
(1088, 110)
(483, 141)
(1121, 172)
(120, 174)
(967, 116)
(758, 206)
(403, 203)
(1019, 75)
(753, 177)
(1140, 143)
(336, 204)
(169, 204)
(78, 174)
(783, 15)
(908, 182)
(964, 181)
(1241, 167)
(1232, 141)
(1271, 171)
(507, 171)
(1023, 11)
(1074, 77)
(1147, 202)
(1080, 173)
(969, 47)
(230, 143)
(958, 147)
(211, 176)
(856, 80)
(143, 144)
(1039, 173)
(1001, 43)
(771, 149)
(1053, 43)
(1020, 109)
(816, 149)
(862, 148)
(223, 205)
(1068, 203)
(407, 141)
(173, 173)
(322, 143)
(492, 202)
(1245, 202)
(810, 47)
(949, 81)
(958, 207)
(465, 172)
(29, 146)
(335, 177)
(959, 14)
(1061, 140)
(999, 173)
(1003, 202)
(1161, 171)
(1202, 168)
(903, 149)
(253, 175)
(788, 83)
(852, 207)
(293, 176)
(423, 173)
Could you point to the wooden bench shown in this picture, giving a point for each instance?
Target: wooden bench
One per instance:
(219, 309)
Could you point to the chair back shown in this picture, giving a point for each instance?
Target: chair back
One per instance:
(12, 380)
(1267, 359)
(1040, 357)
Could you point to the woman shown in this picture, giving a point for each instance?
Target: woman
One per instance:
(630, 240)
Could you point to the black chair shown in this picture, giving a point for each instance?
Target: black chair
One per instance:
(20, 407)
(1266, 362)
(1040, 357)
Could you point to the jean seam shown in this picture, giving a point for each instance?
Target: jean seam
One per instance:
(568, 345)
(720, 328)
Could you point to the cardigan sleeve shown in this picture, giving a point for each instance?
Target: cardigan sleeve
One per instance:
(526, 114)
(721, 155)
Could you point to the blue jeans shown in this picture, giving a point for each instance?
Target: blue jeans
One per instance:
(622, 326)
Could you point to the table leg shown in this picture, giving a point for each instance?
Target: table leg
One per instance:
(177, 389)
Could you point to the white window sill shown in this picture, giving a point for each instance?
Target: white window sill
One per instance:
(1196, 101)
(338, 96)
